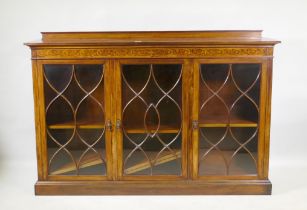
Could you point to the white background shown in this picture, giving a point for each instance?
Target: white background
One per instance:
(21, 21)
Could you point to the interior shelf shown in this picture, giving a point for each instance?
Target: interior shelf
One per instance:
(140, 163)
(203, 123)
(216, 121)
(152, 129)
(89, 160)
(82, 125)
(213, 165)
(241, 164)
(129, 129)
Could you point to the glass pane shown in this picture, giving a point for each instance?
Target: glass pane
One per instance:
(228, 119)
(75, 119)
(152, 119)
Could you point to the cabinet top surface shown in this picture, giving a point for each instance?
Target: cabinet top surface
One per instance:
(124, 38)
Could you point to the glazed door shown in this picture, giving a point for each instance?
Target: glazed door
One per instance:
(77, 119)
(228, 119)
(151, 119)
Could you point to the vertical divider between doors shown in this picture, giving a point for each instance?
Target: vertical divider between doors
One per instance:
(108, 107)
(118, 135)
(186, 82)
(195, 116)
(187, 107)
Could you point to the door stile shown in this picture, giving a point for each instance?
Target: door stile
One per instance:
(188, 105)
(40, 118)
(194, 119)
(118, 143)
(186, 82)
(108, 107)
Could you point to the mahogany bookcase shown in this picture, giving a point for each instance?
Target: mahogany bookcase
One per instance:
(173, 112)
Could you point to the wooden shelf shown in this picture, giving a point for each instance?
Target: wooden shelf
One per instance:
(89, 160)
(214, 165)
(144, 164)
(82, 125)
(100, 125)
(93, 159)
(211, 121)
(151, 129)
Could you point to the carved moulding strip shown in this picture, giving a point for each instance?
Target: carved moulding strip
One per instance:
(142, 52)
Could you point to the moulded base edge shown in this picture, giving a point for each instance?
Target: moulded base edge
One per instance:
(182, 187)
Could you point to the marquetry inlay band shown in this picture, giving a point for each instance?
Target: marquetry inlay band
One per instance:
(142, 52)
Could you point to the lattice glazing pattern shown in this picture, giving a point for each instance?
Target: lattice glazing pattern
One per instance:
(229, 115)
(152, 119)
(75, 119)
